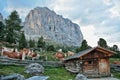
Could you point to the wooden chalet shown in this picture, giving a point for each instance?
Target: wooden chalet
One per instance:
(93, 62)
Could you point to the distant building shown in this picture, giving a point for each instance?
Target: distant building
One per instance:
(93, 62)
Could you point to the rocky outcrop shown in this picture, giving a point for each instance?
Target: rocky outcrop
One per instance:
(38, 78)
(1, 17)
(43, 22)
(34, 69)
(13, 77)
(80, 77)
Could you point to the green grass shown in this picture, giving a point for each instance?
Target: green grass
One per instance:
(53, 73)
(50, 56)
(59, 74)
(115, 74)
(7, 70)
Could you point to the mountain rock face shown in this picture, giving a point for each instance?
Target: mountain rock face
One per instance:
(1, 17)
(43, 22)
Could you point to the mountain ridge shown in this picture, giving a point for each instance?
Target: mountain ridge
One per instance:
(41, 21)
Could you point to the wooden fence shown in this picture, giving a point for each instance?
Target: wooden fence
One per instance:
(10, 61)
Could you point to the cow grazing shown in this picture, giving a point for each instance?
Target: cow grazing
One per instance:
(10, 54)
(59, 55)
(28, 53)
(19, 55)
(70, 53)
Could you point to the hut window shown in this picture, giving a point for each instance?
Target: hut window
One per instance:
(89, 62)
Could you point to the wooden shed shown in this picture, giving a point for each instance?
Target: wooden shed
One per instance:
(93, 62)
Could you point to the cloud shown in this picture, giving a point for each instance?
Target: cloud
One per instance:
(115, 9)
(107, 2)
(89, 33)
(22, 7)
(21, 11)
(61, 7)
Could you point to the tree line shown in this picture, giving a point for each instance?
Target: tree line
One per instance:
(102, 43)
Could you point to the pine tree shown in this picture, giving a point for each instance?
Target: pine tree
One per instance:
(31, 43)
(13, 27)
(22, 41)
(2, 31)
(83, 46)
(41, 43)
(102, 43)
(50, 48)
(115, 48)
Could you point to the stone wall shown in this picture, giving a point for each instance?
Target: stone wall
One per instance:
(10, 61)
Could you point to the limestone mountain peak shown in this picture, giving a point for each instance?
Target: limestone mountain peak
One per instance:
(41, 21)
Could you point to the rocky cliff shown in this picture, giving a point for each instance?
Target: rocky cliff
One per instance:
(1, 17)
(43, 22)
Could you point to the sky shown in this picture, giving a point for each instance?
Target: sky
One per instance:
(96, 18)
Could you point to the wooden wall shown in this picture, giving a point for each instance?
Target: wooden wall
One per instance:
(104, 68)
(90, 66)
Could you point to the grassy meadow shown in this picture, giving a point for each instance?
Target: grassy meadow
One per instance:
(53, 73)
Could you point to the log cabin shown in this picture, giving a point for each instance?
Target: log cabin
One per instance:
(93, 62)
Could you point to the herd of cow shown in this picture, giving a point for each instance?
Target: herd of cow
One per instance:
(25, 53)
(22, 54)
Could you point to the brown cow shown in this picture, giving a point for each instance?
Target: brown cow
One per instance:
(28, 53)
(20, 55)
(59, 55)
(11, 54)
(116, 62)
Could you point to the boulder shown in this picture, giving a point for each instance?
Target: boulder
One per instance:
(80, 77)
(38, 78)
(34, 69)
(20, 77)
(13, 77)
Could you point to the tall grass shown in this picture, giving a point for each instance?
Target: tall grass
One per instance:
(59, 74)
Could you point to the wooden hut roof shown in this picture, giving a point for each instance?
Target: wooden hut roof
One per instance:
(78, 55)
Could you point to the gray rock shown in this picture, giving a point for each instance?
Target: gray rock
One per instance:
(13, 77)
(20, 77)
(80, 77)
(54, 28)
(38, 78)
(34, 69)
(1, 17)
